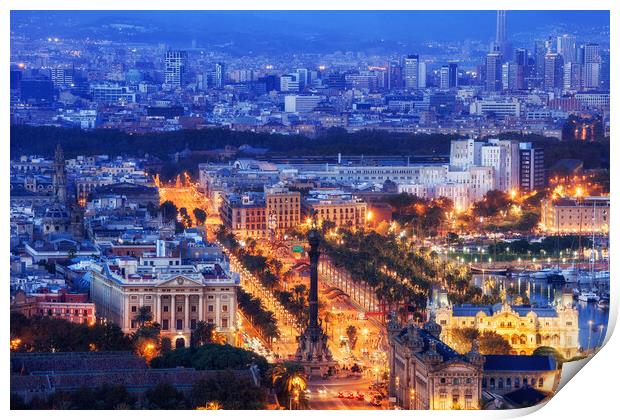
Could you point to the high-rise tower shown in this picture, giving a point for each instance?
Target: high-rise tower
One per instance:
(501, 44)
(500, 28)
(175, 71)
(411, 71)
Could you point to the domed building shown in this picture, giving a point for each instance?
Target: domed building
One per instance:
(427, 374)
(56, 219)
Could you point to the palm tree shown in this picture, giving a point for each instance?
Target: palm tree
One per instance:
(202, 334)
(300, 290)
(144, 315)
(289, 381)
(352, 335)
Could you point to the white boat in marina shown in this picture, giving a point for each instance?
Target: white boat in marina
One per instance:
(601, 275)
(603, 304)
(588, 297)
(571, 273)
(545, 273)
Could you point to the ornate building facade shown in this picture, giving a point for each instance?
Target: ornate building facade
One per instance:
(427, 374)
(524, 327)
(178, 297)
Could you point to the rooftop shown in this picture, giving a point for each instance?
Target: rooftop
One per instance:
(519, 363)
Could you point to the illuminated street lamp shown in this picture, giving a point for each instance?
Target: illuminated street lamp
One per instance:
(15, 343)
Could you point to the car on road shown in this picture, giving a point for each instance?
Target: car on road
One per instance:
(351, 395)
(359, 396)
(341, 394)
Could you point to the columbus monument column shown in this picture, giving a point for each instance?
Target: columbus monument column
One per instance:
(313, 352)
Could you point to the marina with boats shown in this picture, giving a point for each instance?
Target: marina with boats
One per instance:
(544, 288)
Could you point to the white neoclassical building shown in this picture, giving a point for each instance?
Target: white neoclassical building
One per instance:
(178, 296)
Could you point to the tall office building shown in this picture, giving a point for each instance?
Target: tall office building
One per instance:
(540, 51)
(422, 75)
(411, 71)
(605, 81)
(289, 82)
(531, 167)
(503, 156)
(219, 75)
(573, 76)
(176, 66)
(554, 71)
(500, 28)
(567, 48)
(510, 74)
(395, 76)
(493, 72)
(448, 76)
(62, 77)
(302, 76)
(523, 67)
(501, 43)
(591, 56)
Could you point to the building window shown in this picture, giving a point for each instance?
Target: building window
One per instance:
(455, 381)
(134, 309)
(210, 308)
(165, 324)
(224, 308)
(540, 382)
(517, 383)
(193, 308)
(165, 308)
(224, 322)
(192, 324)
(179, 324)
(179, 309)
(133, 323)
(468, 400)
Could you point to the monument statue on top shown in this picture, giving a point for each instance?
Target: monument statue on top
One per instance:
(313, 352)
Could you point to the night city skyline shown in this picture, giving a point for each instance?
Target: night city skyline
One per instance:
(306, 210)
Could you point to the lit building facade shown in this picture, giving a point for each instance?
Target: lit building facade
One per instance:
(572, 215)
(72, 307)
(283, 209)
(427, 374)
(244, 215)
(259, 215)
(177, 296)
(525, 327)
(336, 206)
(505, 373)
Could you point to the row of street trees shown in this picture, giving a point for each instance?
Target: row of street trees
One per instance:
(400, 275)
(268, 271)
